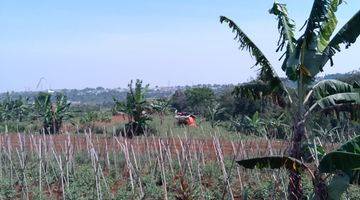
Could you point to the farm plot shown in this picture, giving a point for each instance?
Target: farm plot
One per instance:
(93, 167)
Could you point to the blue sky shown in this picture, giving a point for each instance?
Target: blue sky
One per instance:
(88, 43)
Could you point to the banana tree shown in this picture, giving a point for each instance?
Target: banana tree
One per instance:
(14, 110)
(303, 59)
(52, 114)
(254, 124)
(214, 110)
(340, 166)
(136, 107)
(161, 106)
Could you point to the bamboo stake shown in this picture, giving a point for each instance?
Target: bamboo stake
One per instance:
(59, 162)
(237, 167)
(137, 169)
(225, 175)
(163, 172)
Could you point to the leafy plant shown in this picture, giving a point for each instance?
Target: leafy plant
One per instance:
(213, 114)
(254, 124)
(343, 164)
(137, 109)
(161, 107)
(276, 126)
(89, 119)
(52, 114)
(7, 189)
(15, 110)
(304, 58)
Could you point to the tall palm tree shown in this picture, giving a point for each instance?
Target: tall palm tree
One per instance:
(303, 59)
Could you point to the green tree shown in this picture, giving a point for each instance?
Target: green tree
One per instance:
(137, 109)
(14, 110)
(304, 58)
(52, 114)
(178, 101)
(199, 99)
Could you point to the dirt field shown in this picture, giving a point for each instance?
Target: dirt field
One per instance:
(73, 143)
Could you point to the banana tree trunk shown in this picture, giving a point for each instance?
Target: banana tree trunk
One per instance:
(295, 186)
(320, 187)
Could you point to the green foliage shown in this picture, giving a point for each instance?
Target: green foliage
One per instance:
(136, 107)
(214, 111)
(235, 105)
(277, 125)
(329, 87)
(14, 109)
(199, 99)
(124, 193)
(345, 159)
(195, 100)
(337, 160)
(322, 18)
(52, 113)
(88, 119)
(82, 184)
(7, 190)
(160, 105)
(346, 35)
(152, 190)
(250, 125)
(304, 59)
(328, 27)
(338, 186)
(178, 100)
(286, 27)
(266, 71)
(269, 124)
(260, 90)
(334, 95)
(15, 113)
(310, 52)
(267, 75)
(311, 151)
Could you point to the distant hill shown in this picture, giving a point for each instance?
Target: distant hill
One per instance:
(91, 96)
(348, 77)
(104, 96)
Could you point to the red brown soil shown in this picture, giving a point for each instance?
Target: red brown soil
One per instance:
(116, 119)
(142, 145)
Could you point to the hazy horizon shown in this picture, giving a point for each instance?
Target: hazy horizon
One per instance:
(43, 85)
(79, 44)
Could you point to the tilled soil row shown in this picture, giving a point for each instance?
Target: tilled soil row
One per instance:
(209, 148)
